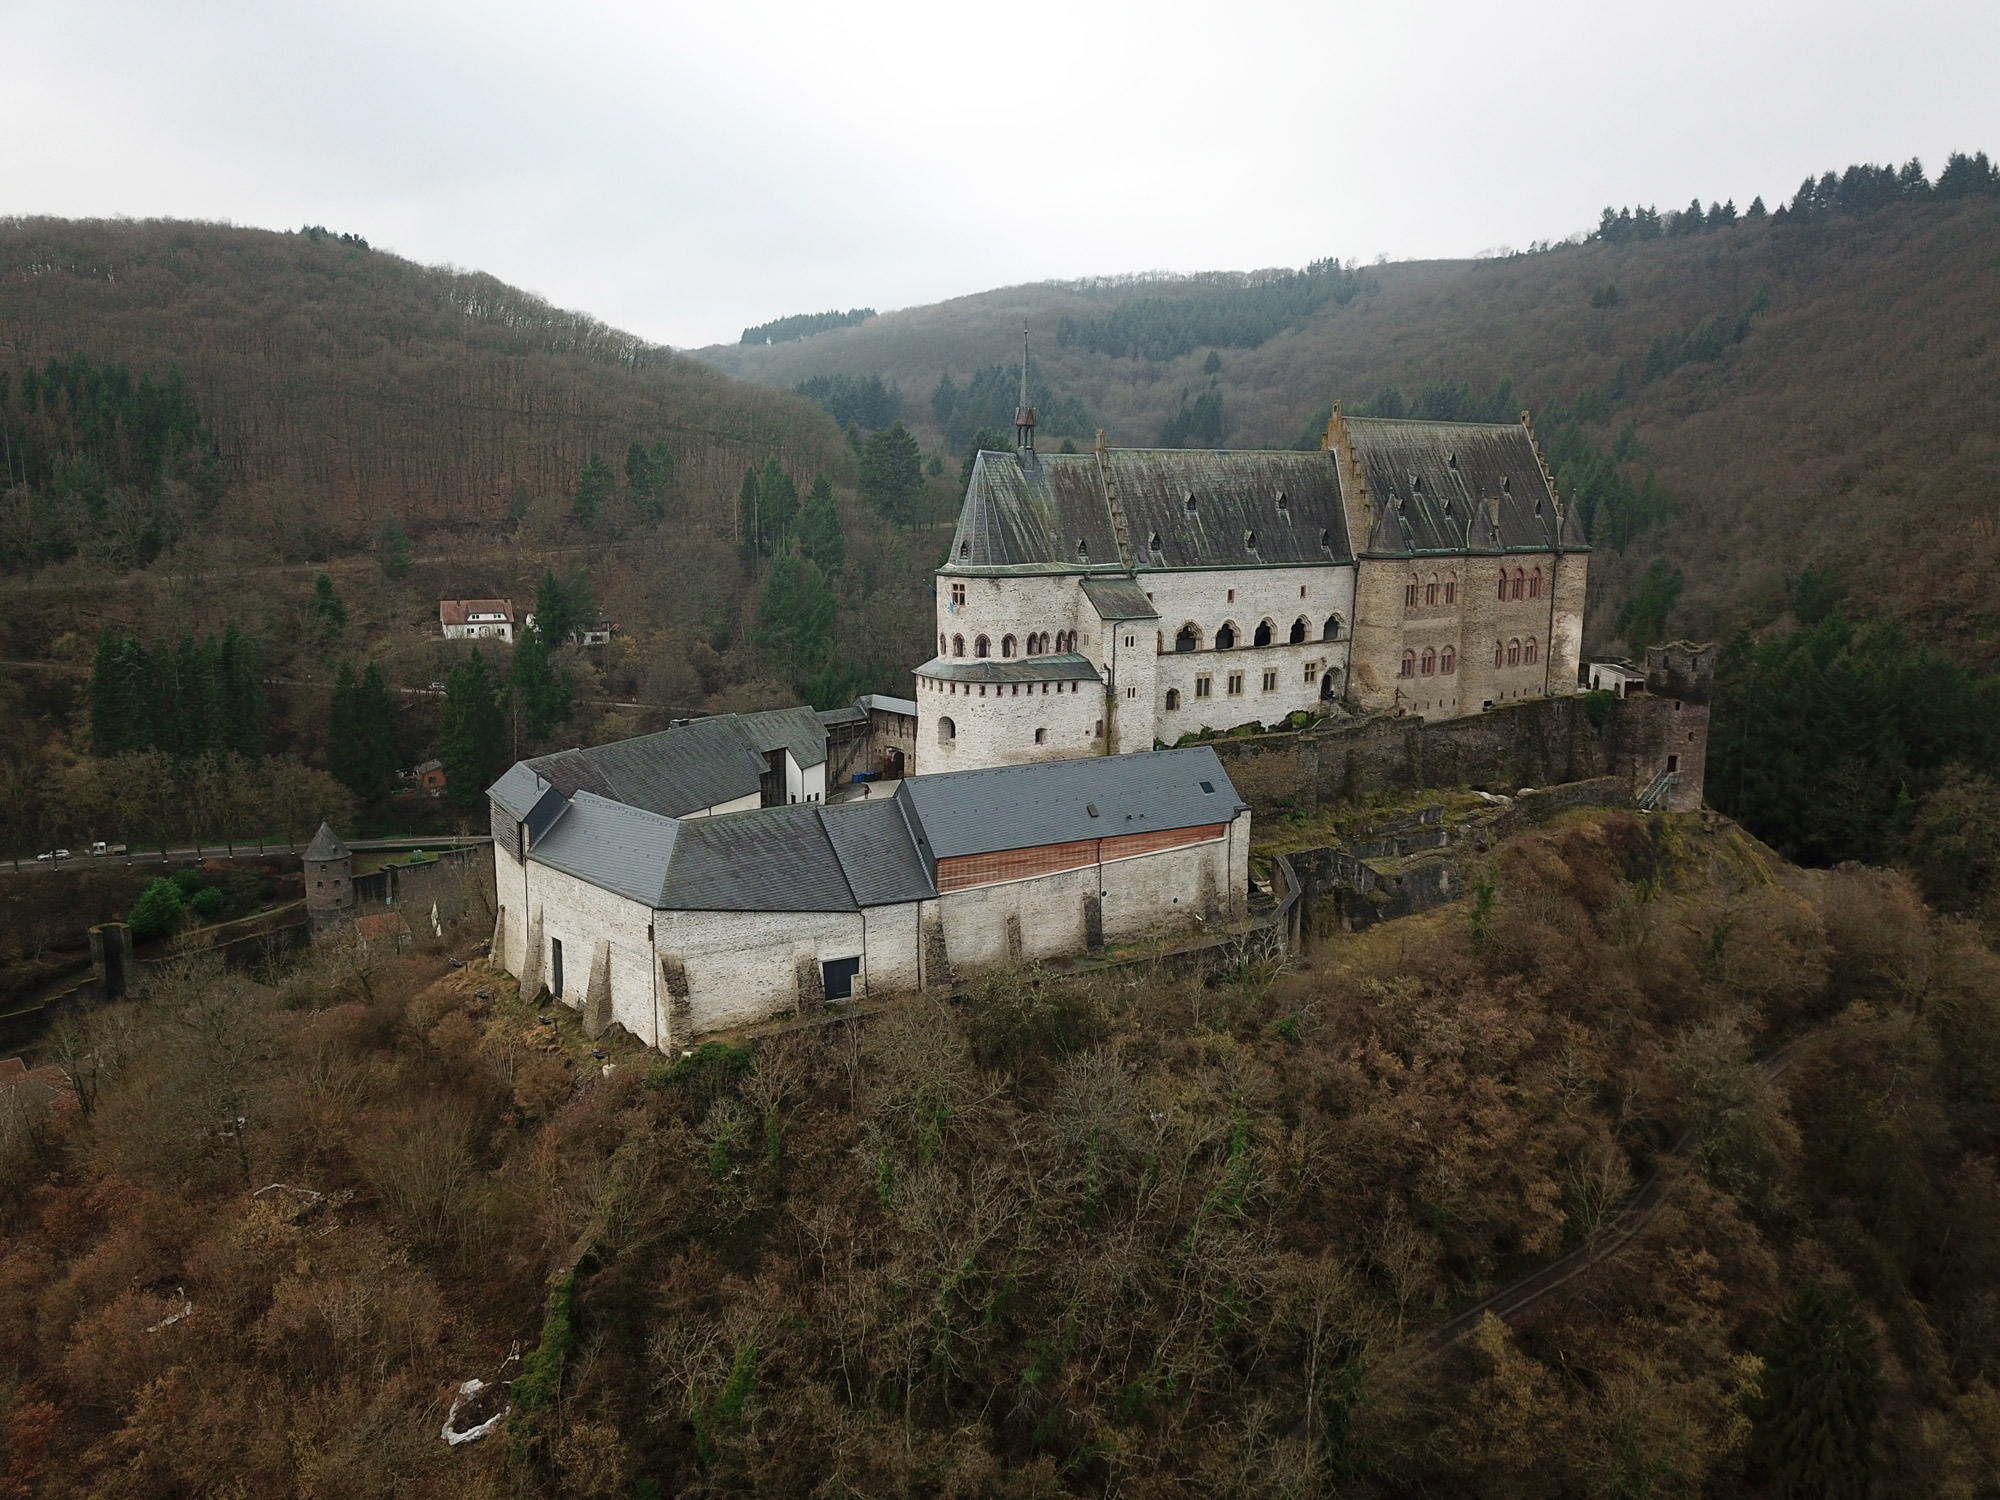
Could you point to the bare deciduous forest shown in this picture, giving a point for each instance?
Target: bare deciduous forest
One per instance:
(1136, 1234)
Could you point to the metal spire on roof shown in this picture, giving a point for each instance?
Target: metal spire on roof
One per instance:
(1024, 414)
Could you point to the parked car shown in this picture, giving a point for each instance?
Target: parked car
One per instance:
(54, 854)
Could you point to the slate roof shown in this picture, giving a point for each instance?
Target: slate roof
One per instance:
(688, 768)
(620, 848)
(1019, 807)
(1052, 512)
(1119, 599)
(326, 844)
(771, 859)
(1455, 487)
(1063, 666)
(884, 703)
(517, 790)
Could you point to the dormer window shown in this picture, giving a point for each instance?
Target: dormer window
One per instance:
(1506, 485)
(965, 549)
(1190, 502)
(1153, 542)
(1250, 541)
(1325, 538)
(1451, 461)
(1082, 550)
(1284, 501)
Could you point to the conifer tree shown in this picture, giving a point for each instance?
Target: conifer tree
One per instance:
(475, 731)
(361, 744)
(892, 474)
(750, 515)
(779, 497)
(820, 537)
(1812, 1432)
(244, 713)
(392, 549)
(544, 697)
(327, 615)
(795, 618)
(594, 487)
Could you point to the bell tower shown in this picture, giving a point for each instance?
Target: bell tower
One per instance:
(1024, 414)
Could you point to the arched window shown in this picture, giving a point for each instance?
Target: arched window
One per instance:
(958, 645)
(1499, 655)
(1513, 653)
(1173, 698)
(1263, 635)
(1299, 629)
(1503, 584)
(1535, 584)
(1007, 644)
(1520, 584)
(1041, 736)
(1431, 592)
(1332, 629)
(1187, 638)
(1429, 664)
(942, 647)
(1447, 662)
(947, 731)
(982, 647)
(1530, 652)
(1225, 638)
(1409, 664)
(1451, 588)
(1410, 593)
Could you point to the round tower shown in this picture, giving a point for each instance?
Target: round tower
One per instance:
(329, 872)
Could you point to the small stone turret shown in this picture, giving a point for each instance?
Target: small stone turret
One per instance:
(329, 873)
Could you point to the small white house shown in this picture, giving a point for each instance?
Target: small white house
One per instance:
(674, 927)
(1616, 675)
(477, 619)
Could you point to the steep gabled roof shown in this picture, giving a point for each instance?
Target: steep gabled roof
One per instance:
(1454, 487)
(690, 767)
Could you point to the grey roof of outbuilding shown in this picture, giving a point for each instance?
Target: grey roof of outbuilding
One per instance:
(1063, 666)
(853, 713)
(690, 767)
(888, 704)
(620, 848)
(517, 790)
(1053, 513)
(877, 851)
(326, 844)
(769, 859)
(1119, 599)
(1019, 807)
(1455, 487)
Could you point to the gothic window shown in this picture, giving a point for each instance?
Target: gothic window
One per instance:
(958, 645)
(1535, 584)
(1520, 584)
(1447, 662)
(1410, 593)
(982, 647)
(947, 731)
(1007, 645)
(942, 646)
(1499, 655)
(1225, 638)
(1173, 699)
(1503, 585)
(1409, 664)
(1299, 629)
(1513, 653)
(1263, 636)
(1431, 592)
(1332, 630)
(1429, 664)
(1530, 652)
(1451, 588)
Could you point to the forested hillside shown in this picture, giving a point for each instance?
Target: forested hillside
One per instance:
(302, 444)
(1815, 386)
(1135, 1234)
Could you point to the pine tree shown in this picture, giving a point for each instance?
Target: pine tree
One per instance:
(361, 745)
(244, 713)
(544, 697)
(795, 618)
(475, 731)
(120, 696)
(779, 497)
(892, 474)
(820, 536)
(1812, 1428)
(392, 550)
(327, 615)
(1643, 620)
(648, 473)
(594, 487)
(342, 740)
(750, 515)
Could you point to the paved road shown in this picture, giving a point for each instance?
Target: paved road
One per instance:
(243, 851)
(1514, 1299)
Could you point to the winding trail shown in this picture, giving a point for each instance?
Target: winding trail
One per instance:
(1518, 1296)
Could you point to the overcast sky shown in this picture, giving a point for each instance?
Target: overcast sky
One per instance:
(682, 171)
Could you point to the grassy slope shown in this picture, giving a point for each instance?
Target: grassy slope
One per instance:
(1856, 427)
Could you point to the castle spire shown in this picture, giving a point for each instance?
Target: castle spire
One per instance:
(1024, 414)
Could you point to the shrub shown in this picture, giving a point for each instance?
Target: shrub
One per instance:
(158, 911)
(188, 881)
(206, 903)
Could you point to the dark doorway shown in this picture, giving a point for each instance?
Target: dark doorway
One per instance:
(1327, 693)
(555, 967)
(1673, 763)
(895, 759)
(839, 974)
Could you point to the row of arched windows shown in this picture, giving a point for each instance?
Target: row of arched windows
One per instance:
(1429, 593)
(1433, 662)
(982, 646)
(1522, 585)
(1188, 637)
(1516, 653)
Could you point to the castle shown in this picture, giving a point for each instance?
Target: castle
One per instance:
(1107, 602)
